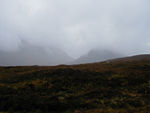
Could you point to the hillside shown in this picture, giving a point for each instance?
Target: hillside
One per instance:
(96, 55)
(117, 86)
(29, 54)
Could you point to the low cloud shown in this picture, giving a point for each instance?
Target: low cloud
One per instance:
(76, 26)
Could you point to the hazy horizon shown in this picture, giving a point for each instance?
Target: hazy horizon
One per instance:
(76, 27)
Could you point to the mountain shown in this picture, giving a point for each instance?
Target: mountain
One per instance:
(132, 58)
(96, 55)
(29, 54)
(114, 86)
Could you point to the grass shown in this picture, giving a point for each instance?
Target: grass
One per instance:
(107, 87)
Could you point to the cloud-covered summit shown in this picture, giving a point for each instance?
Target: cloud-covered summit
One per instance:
(76, 26)
(28, 54)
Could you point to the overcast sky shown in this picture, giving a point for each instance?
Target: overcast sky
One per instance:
(76, 26)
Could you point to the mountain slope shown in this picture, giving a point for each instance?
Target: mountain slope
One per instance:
(107, 87)
(33, 55)
(133, 58)
(97, 55)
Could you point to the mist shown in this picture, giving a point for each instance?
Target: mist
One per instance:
(76, 27)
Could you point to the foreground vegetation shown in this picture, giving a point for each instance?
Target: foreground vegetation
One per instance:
(107, 87)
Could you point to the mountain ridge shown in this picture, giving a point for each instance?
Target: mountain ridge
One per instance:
(97, 55)
(29, 54)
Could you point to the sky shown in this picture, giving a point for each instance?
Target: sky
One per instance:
(76, 26)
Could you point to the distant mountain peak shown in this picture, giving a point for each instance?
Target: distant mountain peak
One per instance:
(97, 55)
(29, 54)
